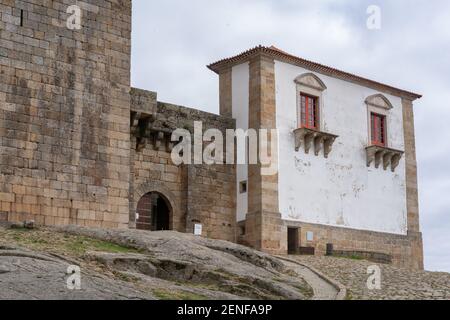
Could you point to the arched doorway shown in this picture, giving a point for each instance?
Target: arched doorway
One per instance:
(153, 212)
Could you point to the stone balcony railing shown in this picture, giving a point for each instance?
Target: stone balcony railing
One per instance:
(383, 155)
(313, 138)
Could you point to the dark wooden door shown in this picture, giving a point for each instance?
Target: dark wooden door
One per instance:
(293, 243)
(144, 210)
(153, 213)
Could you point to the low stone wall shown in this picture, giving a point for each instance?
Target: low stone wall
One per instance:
(404, 250)
(377, 257)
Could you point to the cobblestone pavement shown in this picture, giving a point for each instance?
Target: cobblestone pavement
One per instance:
(396, 284)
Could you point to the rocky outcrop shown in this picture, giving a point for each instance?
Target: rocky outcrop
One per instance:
(132, 264)
(25, 274)
(199, 262)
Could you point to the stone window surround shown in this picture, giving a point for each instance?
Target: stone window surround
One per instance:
(378, 104)
(311, 85)
(385, 155)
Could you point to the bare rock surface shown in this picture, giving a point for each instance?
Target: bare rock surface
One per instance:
(130, 264)
(27, 275)
(201, 262)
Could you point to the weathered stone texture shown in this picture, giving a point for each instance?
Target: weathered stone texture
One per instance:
(411, 166)
(226, 92)
(64, 113)
(67, 155)
(197, 193)
(412, 191)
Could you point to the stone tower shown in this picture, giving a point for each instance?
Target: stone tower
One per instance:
(64, 112)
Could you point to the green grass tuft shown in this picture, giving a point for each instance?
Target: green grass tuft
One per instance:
(61, 243)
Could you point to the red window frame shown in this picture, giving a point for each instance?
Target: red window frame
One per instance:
(378, 129)
(309, 111)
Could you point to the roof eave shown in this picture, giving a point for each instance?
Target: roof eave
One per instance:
(280, 55)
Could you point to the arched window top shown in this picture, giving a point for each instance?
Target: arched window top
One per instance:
(380, 101)
(311, 80)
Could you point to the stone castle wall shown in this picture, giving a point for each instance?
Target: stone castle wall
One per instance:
(64, 113)
(68, 151)
(198, 193)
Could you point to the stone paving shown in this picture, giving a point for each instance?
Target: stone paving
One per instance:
(396, 283)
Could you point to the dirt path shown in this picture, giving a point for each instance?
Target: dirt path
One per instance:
(323, 289)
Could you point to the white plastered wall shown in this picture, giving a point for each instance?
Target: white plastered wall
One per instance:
(341, 190)
(240, 89)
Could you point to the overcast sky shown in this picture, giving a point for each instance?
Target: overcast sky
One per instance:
(174, 40)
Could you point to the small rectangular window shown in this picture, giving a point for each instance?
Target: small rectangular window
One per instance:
(243, 187)
(378, 130)
(309, 111)
(21, 18)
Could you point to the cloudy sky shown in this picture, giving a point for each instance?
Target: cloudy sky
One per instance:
(173, 41)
